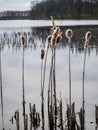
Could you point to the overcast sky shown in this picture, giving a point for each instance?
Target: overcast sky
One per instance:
(15, 4)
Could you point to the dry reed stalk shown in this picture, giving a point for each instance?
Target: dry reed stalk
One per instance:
(42, 83)
(30, 116)
(26, 122)
(61, 115)
(1, 89)
(16, 116)
(87, 38)
(51, 96)
(54, 39)
(54, 86)
(69, 34)
(53, 24)
(23, 88)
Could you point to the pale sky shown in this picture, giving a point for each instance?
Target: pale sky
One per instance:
(15, 4)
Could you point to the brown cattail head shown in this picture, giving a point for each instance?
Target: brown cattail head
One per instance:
(87, 38)
(58, 38)
(56, 31)
(42, 53)
(23, 40)
(48, 40)
(69, 34)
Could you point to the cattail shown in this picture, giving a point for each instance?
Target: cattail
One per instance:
(69, 34)
(58, 38)
(48, 40)
(53, 40)
(56, 31)
(42, 54)
(23, 40)
(87, 38)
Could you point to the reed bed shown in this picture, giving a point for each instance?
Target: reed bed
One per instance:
(55, 111)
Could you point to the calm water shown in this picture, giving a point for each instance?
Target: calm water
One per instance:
(11, 61)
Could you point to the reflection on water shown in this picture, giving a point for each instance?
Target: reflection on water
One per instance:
(12, 72)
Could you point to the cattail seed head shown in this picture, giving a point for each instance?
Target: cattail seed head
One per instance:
(87, 36)
(23, 40)
(69, 34)
(48, 40)
(56, 31)
(42, 54)
(58, 38)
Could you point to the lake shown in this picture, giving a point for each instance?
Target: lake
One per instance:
(11, 67)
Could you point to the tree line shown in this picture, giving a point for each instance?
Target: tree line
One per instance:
(7, 15)
(59, 9)
(65, 9)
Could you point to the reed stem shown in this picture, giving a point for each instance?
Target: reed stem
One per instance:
(83, 91)
(42, 87)
(23, 89)
(1, 89)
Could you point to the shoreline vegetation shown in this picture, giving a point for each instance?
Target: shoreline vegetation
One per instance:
(64, 9)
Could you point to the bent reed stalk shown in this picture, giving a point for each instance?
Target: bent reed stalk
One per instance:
(69, 34)
(87, 38)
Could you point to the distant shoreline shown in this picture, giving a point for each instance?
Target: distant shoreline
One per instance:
(45, 23)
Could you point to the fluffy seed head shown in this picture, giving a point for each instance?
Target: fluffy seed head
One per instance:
(87, 36)
(58, 38)
(56, 31)
(69, 34)
(53, 40)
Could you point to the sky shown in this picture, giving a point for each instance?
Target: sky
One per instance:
(15, 4)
